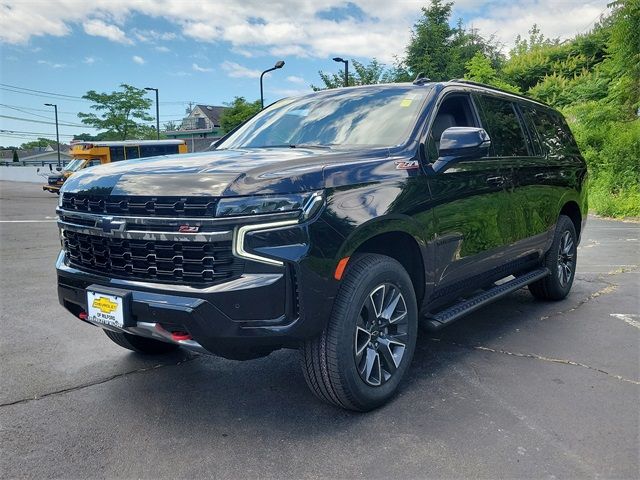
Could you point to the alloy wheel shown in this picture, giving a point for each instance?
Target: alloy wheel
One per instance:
(381, 334)
(566, 258)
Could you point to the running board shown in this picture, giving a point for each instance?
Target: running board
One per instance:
(453, 313)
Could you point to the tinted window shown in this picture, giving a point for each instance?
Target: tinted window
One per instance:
(116, 153)
(455, 111)
(132, 152)
(552, 130)
(528, 115)
(155, 150)
(501, 122)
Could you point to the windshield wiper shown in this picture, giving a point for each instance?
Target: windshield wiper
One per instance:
(310, 145)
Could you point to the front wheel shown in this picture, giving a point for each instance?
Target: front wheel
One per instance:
(561, 261)
(360, 358)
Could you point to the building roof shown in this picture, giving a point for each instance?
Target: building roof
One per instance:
(49, 153)
(212, 112)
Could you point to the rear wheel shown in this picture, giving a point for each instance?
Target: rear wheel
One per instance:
(141, 344)
(561, 262)
(360, 358)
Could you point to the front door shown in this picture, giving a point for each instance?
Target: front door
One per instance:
(471, 207)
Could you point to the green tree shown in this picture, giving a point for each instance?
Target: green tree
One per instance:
(15, 156)
(239, 110)
(624, 52)
(40, 142)
(441, 52)
(120, 113)
(429, 51)
(359, 74)
(479, 69)
(536, 40)
(171, 126)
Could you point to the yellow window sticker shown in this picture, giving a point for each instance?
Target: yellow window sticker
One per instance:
(406, 101)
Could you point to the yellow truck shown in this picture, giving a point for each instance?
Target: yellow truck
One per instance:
(88, 154)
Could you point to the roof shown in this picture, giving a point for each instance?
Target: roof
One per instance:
(50, 153)
(126, 143)
(212, 112)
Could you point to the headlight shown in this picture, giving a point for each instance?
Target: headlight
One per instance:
(307, 203)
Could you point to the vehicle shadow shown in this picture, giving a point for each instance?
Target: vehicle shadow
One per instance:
(268, 397)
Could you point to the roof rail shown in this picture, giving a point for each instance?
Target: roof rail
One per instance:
(491, 87)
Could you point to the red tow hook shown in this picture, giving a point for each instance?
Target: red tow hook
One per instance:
(83, 315)
(179, 335)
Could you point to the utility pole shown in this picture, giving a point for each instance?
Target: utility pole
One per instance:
(55, 107)
(157, 111)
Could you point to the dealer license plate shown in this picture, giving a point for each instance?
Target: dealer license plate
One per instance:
(106, 309)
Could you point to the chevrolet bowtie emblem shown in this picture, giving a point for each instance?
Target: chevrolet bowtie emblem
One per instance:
(109, 225)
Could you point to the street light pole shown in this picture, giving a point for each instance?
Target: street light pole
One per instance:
(346, 69)
(157, 111)
(279, 64)
(55, 107)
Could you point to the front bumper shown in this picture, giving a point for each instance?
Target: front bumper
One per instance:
(243, 318)
(51, 188)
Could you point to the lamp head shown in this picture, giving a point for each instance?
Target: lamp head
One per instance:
(338, 59)
(279, 64)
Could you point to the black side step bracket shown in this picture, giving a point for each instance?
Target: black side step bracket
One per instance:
(445, 317)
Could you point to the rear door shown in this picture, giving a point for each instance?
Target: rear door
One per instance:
(516, 149)
(543, 178)
(471, 206)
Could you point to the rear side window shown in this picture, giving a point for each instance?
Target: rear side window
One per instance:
(528, 115)
(500, 119)
(553, 131)
(154, 150)
(116, 153)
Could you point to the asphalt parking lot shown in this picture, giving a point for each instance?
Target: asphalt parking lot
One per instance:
(520, 389)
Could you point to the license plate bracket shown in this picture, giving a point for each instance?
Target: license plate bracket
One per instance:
(110, 307)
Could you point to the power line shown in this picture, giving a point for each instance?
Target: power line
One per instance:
(16, 107)
(43, 96)
(44, 122)
(3, 132)
(41, 91)
(75, 98)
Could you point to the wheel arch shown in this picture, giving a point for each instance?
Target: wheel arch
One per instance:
(396, 238)
(572, 210)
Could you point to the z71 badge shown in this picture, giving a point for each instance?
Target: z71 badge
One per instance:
(406, 165)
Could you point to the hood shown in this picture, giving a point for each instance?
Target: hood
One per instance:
(215, 173)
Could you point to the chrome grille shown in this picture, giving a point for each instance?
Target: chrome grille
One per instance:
(175, 207)
(164, 261)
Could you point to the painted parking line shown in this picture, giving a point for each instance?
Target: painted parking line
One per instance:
(629, 318)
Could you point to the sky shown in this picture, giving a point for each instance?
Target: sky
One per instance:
(208, 51)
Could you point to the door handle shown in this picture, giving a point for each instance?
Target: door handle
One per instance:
(498, 181)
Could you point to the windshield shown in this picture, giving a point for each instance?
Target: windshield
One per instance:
(372, 116)
(74, 165)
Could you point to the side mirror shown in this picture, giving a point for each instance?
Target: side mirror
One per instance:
(461, 143)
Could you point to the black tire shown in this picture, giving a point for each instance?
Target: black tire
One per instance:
(561, 260)
(334, 370)
(138, 344)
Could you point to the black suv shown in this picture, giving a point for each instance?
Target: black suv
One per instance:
(333, 223)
